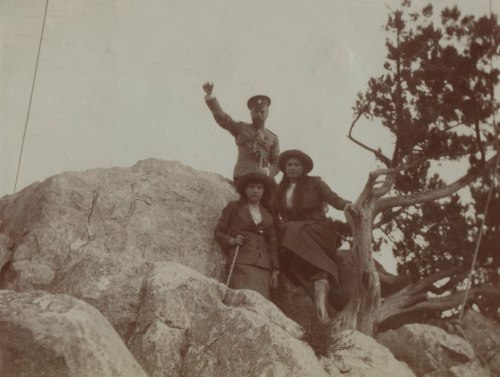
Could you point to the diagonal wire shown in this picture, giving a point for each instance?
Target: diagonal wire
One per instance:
(31, 97)
(493, 184)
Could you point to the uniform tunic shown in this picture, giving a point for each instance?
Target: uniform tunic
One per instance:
(256, 148)
(258, 255)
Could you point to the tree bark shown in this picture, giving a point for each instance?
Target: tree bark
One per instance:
(390, 283)
(414, 304)
(362, 310)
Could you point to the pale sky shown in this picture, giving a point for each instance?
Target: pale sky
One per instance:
(120, 80)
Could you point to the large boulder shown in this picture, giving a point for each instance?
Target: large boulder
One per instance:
(188, 325)
(484, 335)
(358, 355)
(429, 349)
(59, 336)
(191, 325)
(90, 234)
(137, 244)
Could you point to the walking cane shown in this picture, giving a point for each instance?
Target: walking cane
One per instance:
(232, 264)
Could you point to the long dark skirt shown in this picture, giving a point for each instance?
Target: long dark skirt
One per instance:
(309, 253)
(247, 276)
(313, 241)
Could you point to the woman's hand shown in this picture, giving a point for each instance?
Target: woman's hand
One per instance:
(351, 209)
(238, 240)
(351, 212)
(273, 283)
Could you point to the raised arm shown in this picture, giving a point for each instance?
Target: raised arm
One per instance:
(222, 119)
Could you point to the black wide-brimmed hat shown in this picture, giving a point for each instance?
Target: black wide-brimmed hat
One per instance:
(258, 100)
(242, 182)
(307, 161)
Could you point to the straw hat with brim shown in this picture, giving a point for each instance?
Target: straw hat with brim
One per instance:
(242, 182)
(307, 161)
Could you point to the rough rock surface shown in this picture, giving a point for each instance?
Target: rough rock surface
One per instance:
(191, 325)
(484, 335)
(90, 234)
(361, 356)
(56, 336)
(472, 369)
(137, 244)
(5, 250)
(429, 349)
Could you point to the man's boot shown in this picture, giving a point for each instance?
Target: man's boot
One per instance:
(321, 289)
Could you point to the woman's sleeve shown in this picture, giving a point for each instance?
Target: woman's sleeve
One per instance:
(221, 232)
(274, 209)
(272, 241)
(329, 196)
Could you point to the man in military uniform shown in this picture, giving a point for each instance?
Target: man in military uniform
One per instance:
(258, 148)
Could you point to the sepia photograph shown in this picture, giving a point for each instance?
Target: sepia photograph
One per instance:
(249, 188)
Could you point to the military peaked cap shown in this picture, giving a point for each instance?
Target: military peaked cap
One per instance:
(258, 100)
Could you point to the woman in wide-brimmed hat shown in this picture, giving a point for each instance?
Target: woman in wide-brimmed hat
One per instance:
(307, 236)
(246, 224)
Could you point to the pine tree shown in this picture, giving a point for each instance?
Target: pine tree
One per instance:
(436, 98)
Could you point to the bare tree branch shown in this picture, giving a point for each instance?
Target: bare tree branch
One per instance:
(425, 283)
(398, 313)
(377, 153)
(396, 169)
(452, 300)
(403, 297)
(449, 284)
(422, 197)
(392, 216)
(391, 175)
(390, 283)
(386, 186)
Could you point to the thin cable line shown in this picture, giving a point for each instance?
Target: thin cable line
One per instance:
(493, 184)
(31, 97)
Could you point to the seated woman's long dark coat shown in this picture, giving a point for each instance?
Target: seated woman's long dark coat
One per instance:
(258, 255)
(306, 231)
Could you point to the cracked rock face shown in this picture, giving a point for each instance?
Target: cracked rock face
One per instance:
(59, 336)
(92, 234)
(190, 325)
(431, 351)
(5, 250)
(137, 244)
(360, 355)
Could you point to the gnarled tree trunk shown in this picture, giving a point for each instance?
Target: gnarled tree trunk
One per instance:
(361, 312)
(364, 311)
